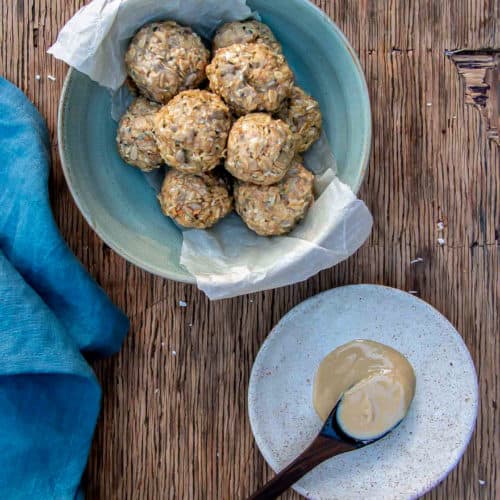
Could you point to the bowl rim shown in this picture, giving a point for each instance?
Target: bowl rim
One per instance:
(174, 275)
(108, 240)
(367, 112)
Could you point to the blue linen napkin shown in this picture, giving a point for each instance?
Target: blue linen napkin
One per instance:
(50, 312)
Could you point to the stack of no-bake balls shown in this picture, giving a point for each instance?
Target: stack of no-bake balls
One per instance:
(236, 142)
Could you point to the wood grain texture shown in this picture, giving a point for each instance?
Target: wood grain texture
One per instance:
(175, 425)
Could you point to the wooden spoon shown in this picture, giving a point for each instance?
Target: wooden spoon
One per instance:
(330, 441)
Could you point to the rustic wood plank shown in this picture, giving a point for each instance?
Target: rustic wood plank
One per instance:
(176, 426)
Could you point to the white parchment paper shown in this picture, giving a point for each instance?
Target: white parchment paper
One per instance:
(95, 39)
(229, 259)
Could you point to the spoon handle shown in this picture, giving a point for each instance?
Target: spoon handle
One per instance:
(318, 451)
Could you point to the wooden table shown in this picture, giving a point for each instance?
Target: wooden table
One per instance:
(174, 422)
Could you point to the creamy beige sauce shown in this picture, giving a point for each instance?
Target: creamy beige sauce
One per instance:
(376, 384)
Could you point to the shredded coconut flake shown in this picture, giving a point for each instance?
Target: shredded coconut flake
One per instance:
(417, 259)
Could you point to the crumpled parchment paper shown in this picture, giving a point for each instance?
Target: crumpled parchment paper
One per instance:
(95, 39)
(229, 259)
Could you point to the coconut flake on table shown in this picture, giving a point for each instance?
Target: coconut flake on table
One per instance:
(416, 260)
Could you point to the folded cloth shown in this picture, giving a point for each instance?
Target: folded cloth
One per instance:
(50, 312)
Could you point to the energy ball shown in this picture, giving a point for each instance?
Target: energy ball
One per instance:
(196, 201)
(135, 137)
(250, 31)
(259, 149)
(164, 58)
(275, 210)
(303, 115)
(191, 131)
(250, 77)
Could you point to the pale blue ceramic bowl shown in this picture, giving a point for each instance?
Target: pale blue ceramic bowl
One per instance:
(116, 199)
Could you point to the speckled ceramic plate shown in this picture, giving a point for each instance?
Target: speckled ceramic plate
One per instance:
(422, 450)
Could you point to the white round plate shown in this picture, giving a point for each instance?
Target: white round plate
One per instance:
(416, 455)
